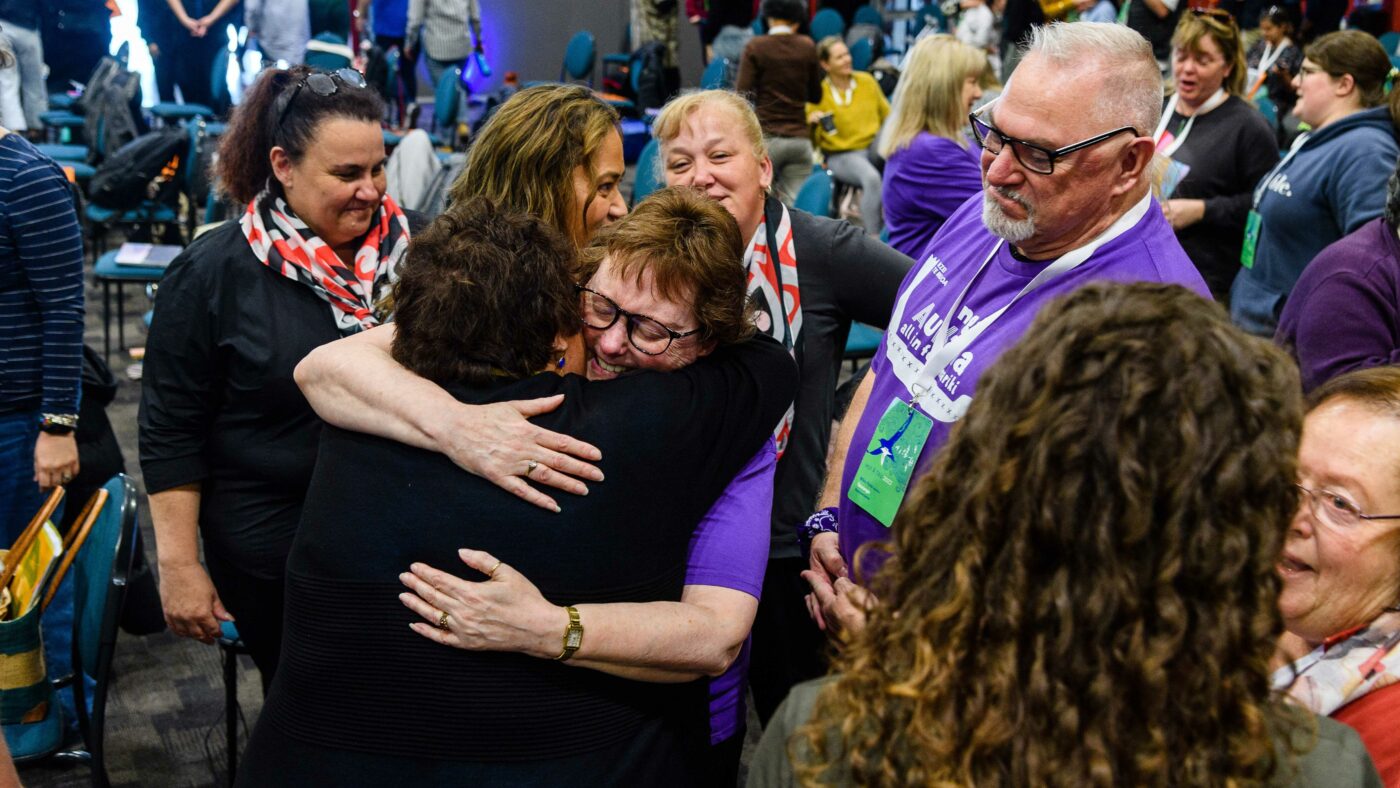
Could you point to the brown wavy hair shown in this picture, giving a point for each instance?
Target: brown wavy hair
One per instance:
(1082, 590)
(525, 156)
(484, 292)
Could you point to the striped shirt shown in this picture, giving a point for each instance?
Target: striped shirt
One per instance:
(41, 284)
(445, 33)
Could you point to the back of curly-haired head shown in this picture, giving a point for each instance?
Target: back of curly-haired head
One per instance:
(483, 293)
(274, 113)
(1081, 591)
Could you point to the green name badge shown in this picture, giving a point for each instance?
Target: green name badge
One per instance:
(888, 464)
(1251, 239)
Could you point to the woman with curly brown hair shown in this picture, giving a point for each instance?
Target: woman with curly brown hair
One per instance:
(1082, 590)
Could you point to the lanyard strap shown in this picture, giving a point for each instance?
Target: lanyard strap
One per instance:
(945, 351)
(1264, 182)
(1214, 101)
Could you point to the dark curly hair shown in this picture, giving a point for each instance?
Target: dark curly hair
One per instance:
(1082, 590)
(692, 248)
(257, 126)
(483, 292)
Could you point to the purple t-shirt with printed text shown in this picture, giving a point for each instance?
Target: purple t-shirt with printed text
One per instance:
(1146, 252)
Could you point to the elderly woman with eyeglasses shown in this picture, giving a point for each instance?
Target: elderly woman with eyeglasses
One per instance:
(1341, 563)
(227, 440)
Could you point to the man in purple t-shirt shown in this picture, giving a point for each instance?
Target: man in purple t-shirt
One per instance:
(1066, 200)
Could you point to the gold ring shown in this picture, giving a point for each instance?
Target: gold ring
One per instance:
(530, 467)
(492, 573)
(442, 620)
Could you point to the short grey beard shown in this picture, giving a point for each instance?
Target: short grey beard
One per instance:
(1002, 225)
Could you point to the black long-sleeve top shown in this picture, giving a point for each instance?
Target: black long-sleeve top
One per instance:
(219, 406)
(1229, 149)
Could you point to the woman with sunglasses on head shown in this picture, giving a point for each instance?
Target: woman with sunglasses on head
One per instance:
(1341, 563)
(227, 440)
(1221, 143)
(1329, 183)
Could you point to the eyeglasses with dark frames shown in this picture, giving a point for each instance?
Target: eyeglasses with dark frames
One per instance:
(1335, 510)
(1036, 158)
(323, 84)
(647, 334)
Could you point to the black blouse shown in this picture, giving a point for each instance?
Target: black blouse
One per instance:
(219, 406)
(353, 676)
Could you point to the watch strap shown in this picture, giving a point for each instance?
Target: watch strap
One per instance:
(573, 634)
(58, 423)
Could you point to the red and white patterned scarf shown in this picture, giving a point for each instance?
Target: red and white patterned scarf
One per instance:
(774, 288)
(284, 243)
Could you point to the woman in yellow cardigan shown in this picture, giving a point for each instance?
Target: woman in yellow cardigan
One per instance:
(846, 122)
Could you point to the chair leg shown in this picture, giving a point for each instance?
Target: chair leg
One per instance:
(231, 709)
(107, 321)
(121, 316)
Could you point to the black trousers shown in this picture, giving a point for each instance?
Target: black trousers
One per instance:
(787, 646)
(256, 606)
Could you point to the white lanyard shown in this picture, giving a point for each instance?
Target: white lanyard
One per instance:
(1264, 182)
(1214, 101)
(944, 352)
(1271, 55)
(835, 97)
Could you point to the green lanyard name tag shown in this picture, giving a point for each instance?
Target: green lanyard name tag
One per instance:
(888, 464)
(1251, 239)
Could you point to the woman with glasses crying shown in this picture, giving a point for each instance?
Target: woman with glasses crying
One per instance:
(1341, 563)
(227, 440)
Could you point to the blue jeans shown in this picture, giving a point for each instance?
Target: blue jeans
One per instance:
(20, 498)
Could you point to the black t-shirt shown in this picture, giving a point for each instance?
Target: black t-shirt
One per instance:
(352, 671)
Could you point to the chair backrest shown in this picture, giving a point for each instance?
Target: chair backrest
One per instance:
(1391, 41)
(827, 22)
(328, 52)
(815, 195)
(862, 54)
(100, 573)
(716, 75)
(218, 82)
(99, 577)
(445, 103)
(647, 178)
(868, 15)
(578, 58)
(1268, 109)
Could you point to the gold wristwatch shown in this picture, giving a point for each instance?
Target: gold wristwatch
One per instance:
(573, 634)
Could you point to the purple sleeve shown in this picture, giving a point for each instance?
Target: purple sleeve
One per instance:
(729, 548)
(1344, 323)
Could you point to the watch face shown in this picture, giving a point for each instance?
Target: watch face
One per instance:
(575, 638)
